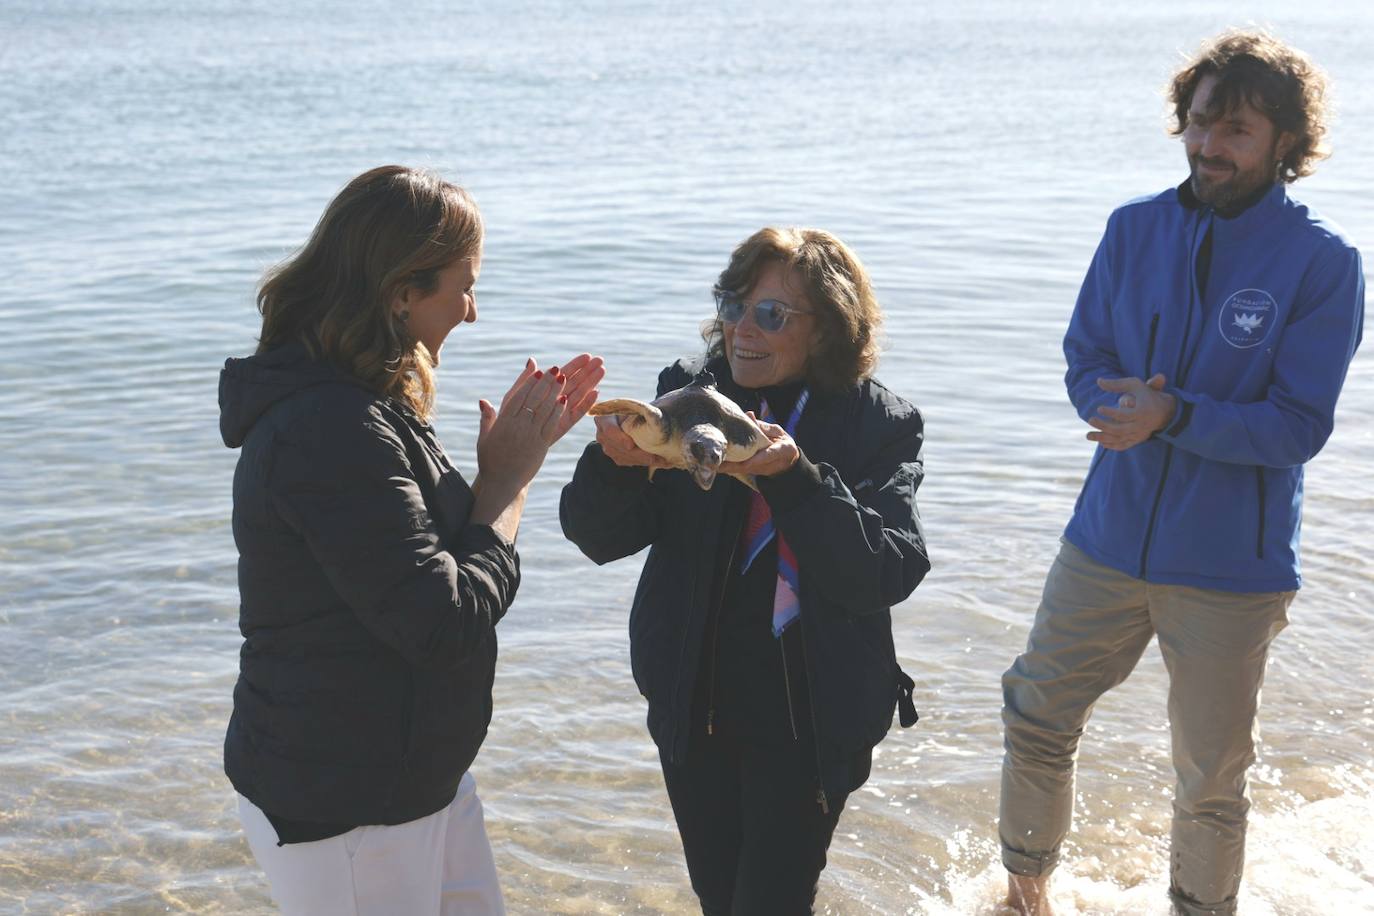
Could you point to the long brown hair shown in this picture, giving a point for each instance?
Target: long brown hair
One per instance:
(1276, 80)
(389, 228)
(836, 284)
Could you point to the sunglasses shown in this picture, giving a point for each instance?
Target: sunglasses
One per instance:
(769, 314)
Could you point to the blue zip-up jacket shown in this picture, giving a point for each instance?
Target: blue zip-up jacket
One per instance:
(1256, 362)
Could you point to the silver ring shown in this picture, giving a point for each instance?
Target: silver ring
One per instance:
(530, 409)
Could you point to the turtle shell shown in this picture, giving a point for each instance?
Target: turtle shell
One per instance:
(694, 428)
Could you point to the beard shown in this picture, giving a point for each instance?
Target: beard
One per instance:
(1226, 193)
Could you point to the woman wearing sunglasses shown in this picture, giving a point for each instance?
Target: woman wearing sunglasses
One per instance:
(760, 633)
(371, 575)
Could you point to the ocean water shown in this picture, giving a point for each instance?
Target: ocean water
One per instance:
(159, 154)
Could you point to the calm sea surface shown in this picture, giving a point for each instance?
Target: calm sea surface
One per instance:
(157, 156)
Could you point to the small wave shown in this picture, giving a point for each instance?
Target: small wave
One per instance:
(1308, 857)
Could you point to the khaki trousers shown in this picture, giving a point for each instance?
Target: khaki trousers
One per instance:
(1090, 630)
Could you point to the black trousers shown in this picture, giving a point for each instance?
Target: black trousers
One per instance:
(754, 836)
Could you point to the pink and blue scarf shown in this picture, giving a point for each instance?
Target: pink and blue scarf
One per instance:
(758, 531)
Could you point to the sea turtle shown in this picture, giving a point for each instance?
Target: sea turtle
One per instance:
(695, 428)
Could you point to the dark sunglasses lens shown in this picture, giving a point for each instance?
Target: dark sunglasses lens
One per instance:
(730, 309)
(770, 315)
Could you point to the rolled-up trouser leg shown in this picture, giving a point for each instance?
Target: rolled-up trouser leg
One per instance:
(1090, 630)
(1215, 645)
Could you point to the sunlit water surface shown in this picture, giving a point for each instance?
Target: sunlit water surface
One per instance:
(158, 156)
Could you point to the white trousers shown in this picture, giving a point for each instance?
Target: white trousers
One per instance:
(440, 864)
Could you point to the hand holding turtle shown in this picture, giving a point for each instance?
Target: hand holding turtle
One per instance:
(693, 428)
(778, 456)
(620, 448)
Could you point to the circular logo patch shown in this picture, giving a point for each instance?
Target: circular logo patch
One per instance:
(1246, 318)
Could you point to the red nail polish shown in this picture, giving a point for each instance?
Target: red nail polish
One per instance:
(539, 375)
(553, 370)
(562, 399)
(561, 377)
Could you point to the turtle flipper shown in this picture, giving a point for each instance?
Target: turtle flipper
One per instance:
(644, 423)
(627, 407)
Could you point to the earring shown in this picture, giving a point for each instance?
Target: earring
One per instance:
(403, 316)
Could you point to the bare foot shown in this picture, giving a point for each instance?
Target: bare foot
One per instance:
(1029, 896)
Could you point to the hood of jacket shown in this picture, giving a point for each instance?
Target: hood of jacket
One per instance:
(251, 386)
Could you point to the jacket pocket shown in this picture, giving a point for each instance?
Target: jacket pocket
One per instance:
(1150, 347)
(862, 659)
(648, 626)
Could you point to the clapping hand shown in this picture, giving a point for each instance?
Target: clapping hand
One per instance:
(537, 411)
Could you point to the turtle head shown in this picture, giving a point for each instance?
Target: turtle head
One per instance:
(703, 449)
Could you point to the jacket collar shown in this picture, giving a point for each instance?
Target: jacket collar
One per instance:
(1255, 214)
(748, 398)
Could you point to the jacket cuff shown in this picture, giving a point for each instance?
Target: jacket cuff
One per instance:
(492, 564)
(478, 538)
(484, 539)
(607, 471)
(1183, 415)
(792, 487)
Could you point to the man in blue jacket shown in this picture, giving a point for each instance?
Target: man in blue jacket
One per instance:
(1207, 348)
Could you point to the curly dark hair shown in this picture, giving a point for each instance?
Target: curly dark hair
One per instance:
(1278, 81)
(835, 283)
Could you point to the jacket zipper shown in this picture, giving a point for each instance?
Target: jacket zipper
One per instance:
(715, 632)
(1179, 372)
(1154, 510)
(1186, 368)
(821, 799)
(787, 685)
(1259, 486)
(815, 732)
(677, 687)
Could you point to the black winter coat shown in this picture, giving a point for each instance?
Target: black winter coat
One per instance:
(368, 602)
(859, 548)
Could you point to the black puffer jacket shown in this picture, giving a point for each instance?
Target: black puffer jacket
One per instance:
(369, 603)
(859, 546)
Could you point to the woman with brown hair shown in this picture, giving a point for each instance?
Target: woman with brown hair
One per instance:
(371, 575)
(760, 634)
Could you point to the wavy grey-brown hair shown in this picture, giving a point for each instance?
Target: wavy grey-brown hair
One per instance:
(1254, 67)
(390, 228)
(835, 283)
